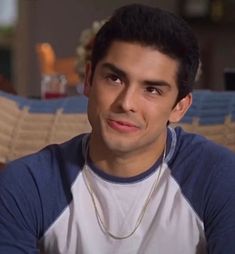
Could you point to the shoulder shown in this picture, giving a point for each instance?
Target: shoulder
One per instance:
(198, 147)
(204, 170)
(47, 161)
(200, 156)
(43, 180)
(205, 173)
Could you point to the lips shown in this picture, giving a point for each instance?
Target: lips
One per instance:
(122, 126)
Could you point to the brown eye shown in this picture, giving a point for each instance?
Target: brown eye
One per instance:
(153, 90)
(114, 79)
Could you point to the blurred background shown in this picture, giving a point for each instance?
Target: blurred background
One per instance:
(25, 23)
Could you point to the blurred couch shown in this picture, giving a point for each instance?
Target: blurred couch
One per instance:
(212, 115)
(27, 125)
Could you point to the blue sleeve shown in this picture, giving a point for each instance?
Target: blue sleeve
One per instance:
(19, 211)
(219, 200)
(34, 190)
(206, 173)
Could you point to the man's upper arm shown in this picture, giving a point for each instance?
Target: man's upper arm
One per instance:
(219, 216)
(19, 220)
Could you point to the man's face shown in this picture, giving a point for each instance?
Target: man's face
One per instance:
(131, 98)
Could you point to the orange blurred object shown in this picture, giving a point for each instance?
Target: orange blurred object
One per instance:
(50, 64)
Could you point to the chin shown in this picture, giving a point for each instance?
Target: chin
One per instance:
(120, 144)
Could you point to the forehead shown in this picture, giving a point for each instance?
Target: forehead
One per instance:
(141, 62)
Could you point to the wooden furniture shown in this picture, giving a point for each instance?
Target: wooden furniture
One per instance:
(49, 63)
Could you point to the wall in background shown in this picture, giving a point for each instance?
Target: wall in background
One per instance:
(217, 42)
(61, 23)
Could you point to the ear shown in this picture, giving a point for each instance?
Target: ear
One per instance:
(180, 109)
(87, 80)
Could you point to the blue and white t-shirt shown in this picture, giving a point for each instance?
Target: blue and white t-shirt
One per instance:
(45, 203)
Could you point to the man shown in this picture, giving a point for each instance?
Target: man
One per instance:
(133, 185)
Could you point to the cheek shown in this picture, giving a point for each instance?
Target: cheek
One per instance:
(105, 99)
(98, 101)
(157, 115)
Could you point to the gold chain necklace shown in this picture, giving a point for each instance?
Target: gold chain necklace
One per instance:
(142, 213)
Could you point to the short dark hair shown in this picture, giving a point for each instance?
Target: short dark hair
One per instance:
(157, 28)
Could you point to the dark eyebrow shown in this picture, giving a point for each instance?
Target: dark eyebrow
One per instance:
(160, 83)
(122, 74)
(115, 69)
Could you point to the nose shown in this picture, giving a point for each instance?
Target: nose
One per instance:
(127, 100)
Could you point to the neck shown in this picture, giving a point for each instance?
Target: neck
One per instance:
(125, 164)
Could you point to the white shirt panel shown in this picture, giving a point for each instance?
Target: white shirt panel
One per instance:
(169, 225)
